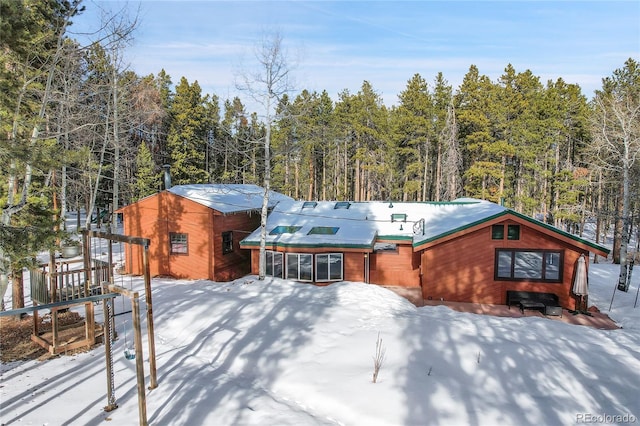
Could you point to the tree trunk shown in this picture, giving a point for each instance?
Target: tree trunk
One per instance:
(425, 173)
(357, 190)
(116, 148)
(17, 298)
(503, 168)
(617, 230)
(598, 213)
(626, 224)
(438, 172)
(311, 176)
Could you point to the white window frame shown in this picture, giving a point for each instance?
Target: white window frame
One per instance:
(179, 243)
(330, 271)
(271, 255)
(297, 257)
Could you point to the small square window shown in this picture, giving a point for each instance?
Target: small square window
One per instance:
(179, 243)
(398, 217)
(227, 242)
(497, 232)
(513, 232)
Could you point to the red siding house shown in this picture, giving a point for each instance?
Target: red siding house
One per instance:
(195, 230)
(465, 250)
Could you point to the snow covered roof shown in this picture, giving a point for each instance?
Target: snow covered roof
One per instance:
(360, 224)
(228, 198)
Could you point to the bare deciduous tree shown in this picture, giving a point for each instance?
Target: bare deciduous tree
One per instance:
(266, 86)
(616, 130)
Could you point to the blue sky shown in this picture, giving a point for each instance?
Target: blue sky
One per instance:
(337, 45)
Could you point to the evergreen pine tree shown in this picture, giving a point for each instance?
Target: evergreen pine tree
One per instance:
(187, 137)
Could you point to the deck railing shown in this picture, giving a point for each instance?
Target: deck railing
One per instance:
(68, 284)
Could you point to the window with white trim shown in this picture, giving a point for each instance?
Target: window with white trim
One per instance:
(300, 267)
(329, 267)
(531, 265)
(178, 243)
(274, 264)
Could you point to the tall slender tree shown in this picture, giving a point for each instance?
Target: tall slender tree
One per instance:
(616, 131)
(267, 85)
(411, 130)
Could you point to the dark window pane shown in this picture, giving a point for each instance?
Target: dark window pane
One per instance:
(552, 266)
(227, 242)
(322, 267)
(513, 232)
(504, 264)
(306, 265)
(527, 264)
(335, 267)
(269, 262)
(292, 266)
(277, 265)
(497, 232)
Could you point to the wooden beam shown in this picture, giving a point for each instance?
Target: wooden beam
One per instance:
(123, 291)
(61, 305)
(150, 326)
(118, 237)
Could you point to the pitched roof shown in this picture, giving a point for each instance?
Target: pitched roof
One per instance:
(228, 198)
(361, 224)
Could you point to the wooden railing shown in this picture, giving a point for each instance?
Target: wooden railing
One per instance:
(69, 284)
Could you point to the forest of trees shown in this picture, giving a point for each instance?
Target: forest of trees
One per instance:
(79, 130)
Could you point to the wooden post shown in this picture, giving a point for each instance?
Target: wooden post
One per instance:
(142, 402)
(86, 256)
(110, 265)
(53, 284)
(35, 320)
(54, 331)
(90, 324)
(150, 329)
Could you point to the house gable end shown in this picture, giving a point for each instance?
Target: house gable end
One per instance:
(518, 218)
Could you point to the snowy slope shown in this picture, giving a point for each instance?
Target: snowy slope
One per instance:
(284, 353)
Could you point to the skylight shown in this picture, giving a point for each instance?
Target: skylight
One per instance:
(309, 205)
(323, 230)
(342, 205)
(284, 229)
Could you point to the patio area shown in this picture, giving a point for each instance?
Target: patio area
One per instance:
(595, 319)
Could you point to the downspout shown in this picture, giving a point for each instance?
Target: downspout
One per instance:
(366, 268)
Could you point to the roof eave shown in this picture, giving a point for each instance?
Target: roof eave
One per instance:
(565, 236)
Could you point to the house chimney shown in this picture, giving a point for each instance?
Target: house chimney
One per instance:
(167, 176)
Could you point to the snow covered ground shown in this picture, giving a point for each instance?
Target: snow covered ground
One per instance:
(284, 353)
